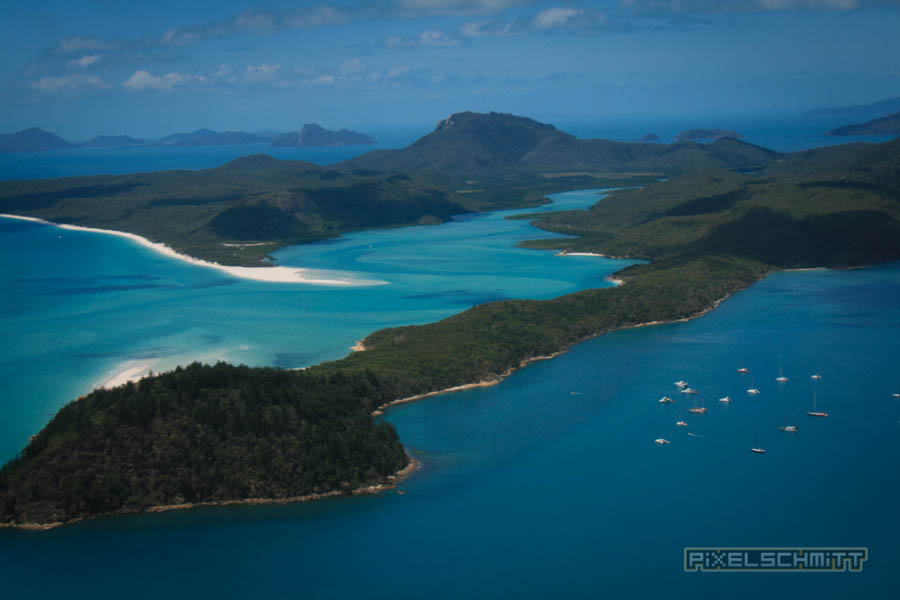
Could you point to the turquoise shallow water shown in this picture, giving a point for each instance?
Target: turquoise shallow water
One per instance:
(80, 307)
(529, 490)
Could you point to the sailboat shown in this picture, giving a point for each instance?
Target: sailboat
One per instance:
(697, 410)
(681, 384)
(752, 390)
(665, 400)
(756, 447)
(814, 412)
(781, 378)
(792, 428)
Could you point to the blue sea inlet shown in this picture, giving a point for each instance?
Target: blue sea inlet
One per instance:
(548, 485)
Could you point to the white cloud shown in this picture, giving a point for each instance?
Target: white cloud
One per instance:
(223, 73)
(555, 17)
(324, 80)
(352, 67)
(652, 7)
(264, 73)
(85, 61)
(487, 28)
(67, 83)
(458, 6)
(143, 80)
(431, 38)
(396, 72)
(79, 44)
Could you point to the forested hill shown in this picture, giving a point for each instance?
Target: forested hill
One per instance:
(239, 212)
(828, 207)
(218, 433)
(202, 434)
(466, 145)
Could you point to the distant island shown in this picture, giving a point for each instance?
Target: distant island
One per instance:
(31, 140)
(114, 141)
(222, 434)
(208, 137)
(889, 125)
(694, 135)
(35, 139)
(314, 135)
(875, 109)
(648, 137)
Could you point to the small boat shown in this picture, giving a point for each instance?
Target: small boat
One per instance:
(752, 390)
(661, 441)
(756, 447)
(681, 423)
(743, 369)
(681, 384)
(725, 399)
(689, 391)
(896, 395)
(815, 377)
(781, 378)
(789, 428)
(697, 410)
(665, 400)
(814, 412)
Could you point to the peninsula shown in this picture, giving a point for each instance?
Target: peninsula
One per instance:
(889, 125)
(707, 234)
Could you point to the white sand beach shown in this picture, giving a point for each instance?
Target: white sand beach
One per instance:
(276, 274)
(131, 370)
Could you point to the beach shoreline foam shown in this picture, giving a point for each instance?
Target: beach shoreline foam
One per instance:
(273, 274)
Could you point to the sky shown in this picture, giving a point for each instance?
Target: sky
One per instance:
(91, 67)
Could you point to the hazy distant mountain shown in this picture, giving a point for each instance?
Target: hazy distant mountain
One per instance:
(208, 137)
(695, 135)
(889, 125)
(114, 141)
(876, 109)
(314, 135)
(648, 137)
(269, 134)
(29, 140)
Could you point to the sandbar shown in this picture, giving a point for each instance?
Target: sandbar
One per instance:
(274, 274)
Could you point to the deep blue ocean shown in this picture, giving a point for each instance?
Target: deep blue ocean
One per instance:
(549, 484)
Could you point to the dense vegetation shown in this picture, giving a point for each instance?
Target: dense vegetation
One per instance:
(218, 433)
(889, 125)
(777, 220)
(708, 233)
(472, 150)
(239, 212)
(201, 434)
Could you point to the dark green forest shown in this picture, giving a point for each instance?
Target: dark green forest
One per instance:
(218, 433)
(202, 434)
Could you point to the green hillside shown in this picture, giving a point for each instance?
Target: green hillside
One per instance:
(889, 125)
(487, 146)
(202, 434)
(236, 213)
